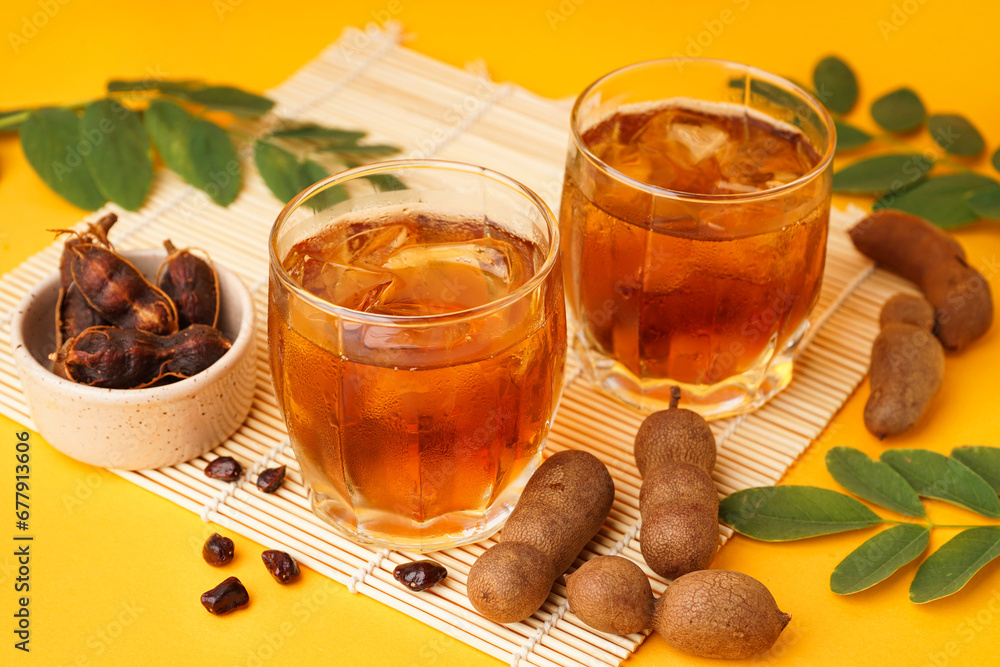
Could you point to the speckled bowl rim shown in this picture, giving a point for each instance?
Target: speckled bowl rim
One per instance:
(227, 363)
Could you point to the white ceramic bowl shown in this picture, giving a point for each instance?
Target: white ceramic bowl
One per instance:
(133, 429)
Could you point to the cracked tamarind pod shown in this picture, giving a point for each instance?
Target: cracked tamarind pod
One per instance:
(119, 292)
(73, 313)
(192, 284)
(116, 358)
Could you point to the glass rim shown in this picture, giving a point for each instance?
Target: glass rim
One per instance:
(825, 159)
(363, 171)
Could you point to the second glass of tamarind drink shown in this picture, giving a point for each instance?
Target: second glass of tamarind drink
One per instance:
(694, 222)
(417, 336)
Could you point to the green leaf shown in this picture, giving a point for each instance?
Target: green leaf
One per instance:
(899, 111)
(879, 557)
(874, 481)
(764, 90)
(50, 139)
(217, 169)
(882, 173)
(169, 126)
(955, 134)
(942, 199)
(849, 137)
(133, 85)
(934, 475)
(984, 461)
(360, 150)
(279, 169)
(286, 176)
(386, 182)
(778, 513)
(314, 132)
(119, 161)
(311, 172)
(951, 567)
(835, 83)
(985, 202)
(225, 98)
(996, 159)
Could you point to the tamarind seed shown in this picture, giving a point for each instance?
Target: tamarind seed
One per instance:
(269, 480)
(218, 550)
(281, 565)
(224, 468)
(228, 596)
(420, 575)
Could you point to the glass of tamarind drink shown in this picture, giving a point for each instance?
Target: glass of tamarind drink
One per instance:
(417, 335)
(694, 221)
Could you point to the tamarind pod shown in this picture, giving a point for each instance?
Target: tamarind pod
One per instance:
(111, 357)
(74, 314)
(119, 292)
(905, 244)
(906, 373)
(116, 358)
(193, 349)
(193, 285)
(963, 303)
(96, 232)
(920, 252)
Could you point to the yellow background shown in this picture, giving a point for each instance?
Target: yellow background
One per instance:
(116, 570)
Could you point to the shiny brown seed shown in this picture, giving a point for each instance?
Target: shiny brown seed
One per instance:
(269, 480)
(228, 596)
(420, 575)
(225, 468)
(218, 550)
(281, 565)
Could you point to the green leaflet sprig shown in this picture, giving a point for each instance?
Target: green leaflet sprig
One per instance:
(946, 192)
(98, 150)
(969, 478)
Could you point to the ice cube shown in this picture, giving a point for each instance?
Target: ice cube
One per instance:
(700, 141)
(353, 287)
(372, 247)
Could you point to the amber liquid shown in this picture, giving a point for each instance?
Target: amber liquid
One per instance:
(692, 292)
(416, 435)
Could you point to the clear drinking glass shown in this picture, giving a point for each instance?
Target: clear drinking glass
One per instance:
(417, 337)
(694, 219)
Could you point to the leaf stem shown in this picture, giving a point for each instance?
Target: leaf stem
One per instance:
(21, 116)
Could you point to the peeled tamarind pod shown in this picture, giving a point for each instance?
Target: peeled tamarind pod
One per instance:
(193, 285)
(562, 507)
(119, 292)
(906, 372)
(117, 358)
(918, 251)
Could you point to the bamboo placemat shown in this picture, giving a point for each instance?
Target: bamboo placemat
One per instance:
(367, 80)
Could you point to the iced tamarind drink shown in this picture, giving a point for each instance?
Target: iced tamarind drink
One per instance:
(417, 340)
(694, 220)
